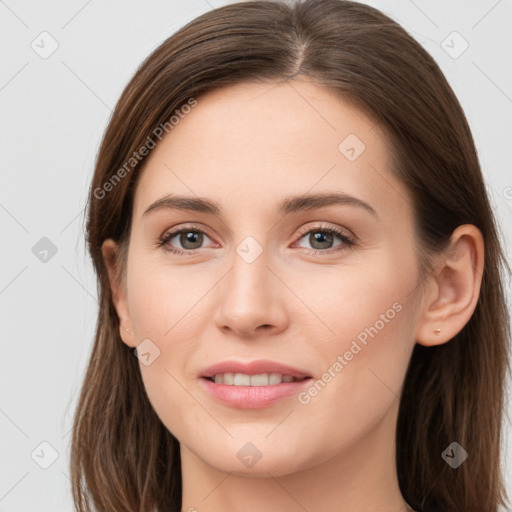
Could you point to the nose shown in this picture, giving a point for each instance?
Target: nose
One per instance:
(251, 299)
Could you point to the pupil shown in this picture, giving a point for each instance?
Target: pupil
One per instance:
(190, 237)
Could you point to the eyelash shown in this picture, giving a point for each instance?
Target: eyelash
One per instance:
(348, 242)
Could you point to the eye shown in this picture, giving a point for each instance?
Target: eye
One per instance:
(322, 238)
(190, 238)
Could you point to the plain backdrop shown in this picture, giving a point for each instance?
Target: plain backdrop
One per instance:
(63, 67)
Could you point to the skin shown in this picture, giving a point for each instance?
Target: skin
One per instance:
(247, 147)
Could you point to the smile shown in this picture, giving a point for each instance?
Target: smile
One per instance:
(243, 379)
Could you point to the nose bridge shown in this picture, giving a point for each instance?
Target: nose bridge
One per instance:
(249, 295)
(249, 278)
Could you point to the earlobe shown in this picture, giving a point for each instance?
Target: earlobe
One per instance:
(110, 251)
(453, 288)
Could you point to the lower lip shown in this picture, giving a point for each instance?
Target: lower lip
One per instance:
(252, 397)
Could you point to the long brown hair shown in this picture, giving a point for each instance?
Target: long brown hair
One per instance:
(122, 456)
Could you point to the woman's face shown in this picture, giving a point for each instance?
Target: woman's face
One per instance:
(265, 279)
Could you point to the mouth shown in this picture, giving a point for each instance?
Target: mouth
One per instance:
(254, 373)
(260, 379)
(243, 391)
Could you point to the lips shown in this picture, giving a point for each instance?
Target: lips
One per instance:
(237, 392)
(253, 368)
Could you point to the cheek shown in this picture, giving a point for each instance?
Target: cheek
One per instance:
(367, 321)
(363, 300)
(163, 299)
(166, 307)
(161, 302)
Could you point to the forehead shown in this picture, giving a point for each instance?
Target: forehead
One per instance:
(260, 142)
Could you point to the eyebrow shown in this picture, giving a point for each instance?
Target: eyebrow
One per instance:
(288, 205)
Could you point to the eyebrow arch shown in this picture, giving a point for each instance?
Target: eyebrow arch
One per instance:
(312, 201)
(289, 205)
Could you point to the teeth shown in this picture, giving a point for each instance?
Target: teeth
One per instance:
(262, 379)
(242, 380)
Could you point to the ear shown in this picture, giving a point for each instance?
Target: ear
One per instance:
(110, 251)
(453, 288)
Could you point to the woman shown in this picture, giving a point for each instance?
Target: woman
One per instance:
(292, 235)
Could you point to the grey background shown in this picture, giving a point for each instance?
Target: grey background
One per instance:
(53, 112)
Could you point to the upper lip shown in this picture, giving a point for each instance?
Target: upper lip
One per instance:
(253, 368)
